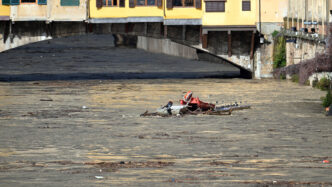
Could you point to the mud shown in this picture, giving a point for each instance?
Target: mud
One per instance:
(66, 132)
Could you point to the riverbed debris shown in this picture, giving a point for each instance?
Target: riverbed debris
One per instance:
(99, 177)
(190, 105)
(329, 111)
(326, 161)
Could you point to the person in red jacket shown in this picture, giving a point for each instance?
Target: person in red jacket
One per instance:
(194, 103)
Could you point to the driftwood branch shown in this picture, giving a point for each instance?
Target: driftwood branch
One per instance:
(186, 111)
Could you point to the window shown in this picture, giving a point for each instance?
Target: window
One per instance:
(246, 5)
(214, 6)
(110, 2)
(28, 1)
(133, 3)
(146, 2)
(183, 3)
(122, 3)
(5, 2)
(70, 2)
(17, 2)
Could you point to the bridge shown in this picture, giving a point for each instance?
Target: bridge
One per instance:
(219, 30)
(236, 47)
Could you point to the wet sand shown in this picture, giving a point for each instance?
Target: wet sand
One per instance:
(67, 132)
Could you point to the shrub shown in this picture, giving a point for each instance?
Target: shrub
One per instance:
(307, 83)
(295, 78)
(327, 101)
(323, 84)
(314, 83)
(283, 76)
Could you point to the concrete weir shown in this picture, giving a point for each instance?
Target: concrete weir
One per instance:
(166, 46)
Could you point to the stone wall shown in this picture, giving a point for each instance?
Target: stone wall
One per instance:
(302, 50)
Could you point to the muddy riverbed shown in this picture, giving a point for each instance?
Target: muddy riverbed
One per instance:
(88, 131)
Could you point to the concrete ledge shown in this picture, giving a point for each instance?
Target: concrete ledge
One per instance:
(230, 28)
(126, 20)
(67, 20)
(108, 20)
(145, 19)
(183, 22)
(29, 19)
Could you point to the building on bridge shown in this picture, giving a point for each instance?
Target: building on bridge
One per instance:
(48, 11)
(238, 31)
(4, 10)
(270, 15)
(309, 16)
(178, 18)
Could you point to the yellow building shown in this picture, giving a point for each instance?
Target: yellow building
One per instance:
(124, 11)
(272, 11)
(271, 15)
(229, 13)
(4, 10)
(175, 12)
(183, 12)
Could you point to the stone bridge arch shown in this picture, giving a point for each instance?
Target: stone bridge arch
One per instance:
(183, 41)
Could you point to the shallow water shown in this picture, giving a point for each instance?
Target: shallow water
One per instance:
(284, 137)
(64, 121)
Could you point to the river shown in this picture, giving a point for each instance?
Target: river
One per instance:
(65, 122)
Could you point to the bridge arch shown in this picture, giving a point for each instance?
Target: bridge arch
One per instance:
(184, 41)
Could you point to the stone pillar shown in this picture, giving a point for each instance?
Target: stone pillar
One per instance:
(258, 65)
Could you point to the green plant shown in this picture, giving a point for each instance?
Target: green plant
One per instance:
(274, 33)
(295, 78)
(314, 83)
(327, 101)
(323, 84)
(279, 54)
(283, 76)
(307, 83)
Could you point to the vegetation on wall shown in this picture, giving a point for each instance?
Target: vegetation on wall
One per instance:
(275, 33)
(279, 53)
(321, 63)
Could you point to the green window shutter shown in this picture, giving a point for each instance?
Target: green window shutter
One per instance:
(14, 2)
(159, 3)
(169, 4)
(198, 4)
(42, 2)
(99, 3)
(122, 3)
(131, 3)
(5, 2)
(70, 2)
